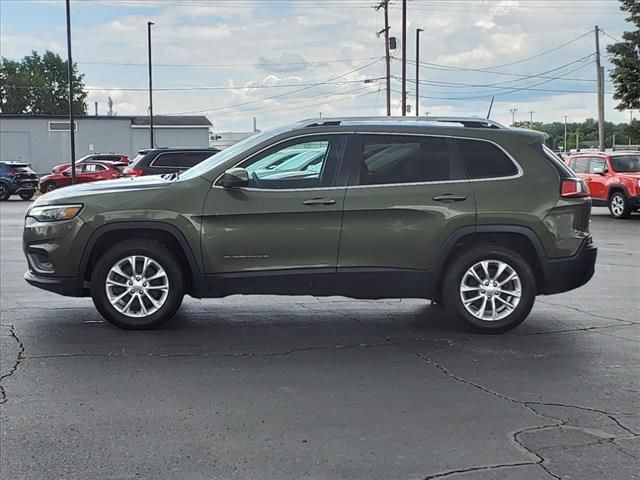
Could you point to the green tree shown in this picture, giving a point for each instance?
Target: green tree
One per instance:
(38, 85)
(626, 60)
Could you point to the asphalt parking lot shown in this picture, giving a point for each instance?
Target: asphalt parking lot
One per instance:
(305, 388)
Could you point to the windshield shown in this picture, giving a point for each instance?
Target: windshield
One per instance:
(230, 152)
(626, 163)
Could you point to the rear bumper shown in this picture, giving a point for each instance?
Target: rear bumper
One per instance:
(69, 287)
(564, 274)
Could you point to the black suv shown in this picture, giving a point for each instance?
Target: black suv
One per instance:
(17, 178)
(159, 161)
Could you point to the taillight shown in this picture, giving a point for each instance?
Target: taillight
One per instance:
(133, 172)
(573, 188)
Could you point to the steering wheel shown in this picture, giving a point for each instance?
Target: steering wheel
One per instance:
(256, 179)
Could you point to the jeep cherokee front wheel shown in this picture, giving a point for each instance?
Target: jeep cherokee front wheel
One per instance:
(137, 284)
(491, 288)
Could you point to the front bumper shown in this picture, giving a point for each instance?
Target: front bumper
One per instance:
(564, 274)
(633, 202)
(69, 287)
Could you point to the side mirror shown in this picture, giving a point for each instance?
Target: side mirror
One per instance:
(598, 171)
(66, 173)
(235, 178)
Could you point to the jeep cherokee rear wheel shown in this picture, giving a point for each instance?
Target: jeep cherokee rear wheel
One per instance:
(137, 284)
(618, 205)
(491, 288)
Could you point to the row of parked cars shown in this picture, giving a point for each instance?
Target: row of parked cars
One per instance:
(18, 178)
(613, 178)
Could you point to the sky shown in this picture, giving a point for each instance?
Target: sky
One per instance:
(285, 60)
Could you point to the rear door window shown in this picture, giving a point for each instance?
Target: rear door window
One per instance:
(397, 159)
(485, 160)
(581, 165)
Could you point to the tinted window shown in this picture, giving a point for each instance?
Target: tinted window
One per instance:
(596, 162)
(405, 159)
(626, 163)
(581, 165)
(180, 159)
(109, 158)
(299, 164)
(485, 160)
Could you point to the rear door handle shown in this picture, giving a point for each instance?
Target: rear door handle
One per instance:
(450, 197)
(319, 201)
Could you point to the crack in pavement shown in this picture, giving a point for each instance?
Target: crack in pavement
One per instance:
(478, 469)
(595, 315)
(540, 460)
(124, 354)
(18, 360)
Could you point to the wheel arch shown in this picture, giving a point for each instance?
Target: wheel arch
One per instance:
(110, 234)
(518, 238)
(617, 187)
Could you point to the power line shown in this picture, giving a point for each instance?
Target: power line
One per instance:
(227, 65)
(526, 77)
(203, 88)
(285, 93)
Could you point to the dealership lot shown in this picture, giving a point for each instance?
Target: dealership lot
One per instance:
(277, 388)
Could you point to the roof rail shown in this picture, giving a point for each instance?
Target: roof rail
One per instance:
(468, 122)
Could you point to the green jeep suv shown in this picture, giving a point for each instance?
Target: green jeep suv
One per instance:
(462, 211)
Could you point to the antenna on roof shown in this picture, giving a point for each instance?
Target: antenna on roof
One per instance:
(490, 107)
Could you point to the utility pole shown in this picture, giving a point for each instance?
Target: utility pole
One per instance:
(577, 141)
(531, 112)
(600, 87)
(565, 133)
(72, 123)
(418, 30)
(513, 111)
(613, 142)
(152, 143)
(404, 58)
(385, 4)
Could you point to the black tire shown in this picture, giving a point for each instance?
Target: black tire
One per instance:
(5, 193)
(27, 196)
(452, 287)
(618, 205)
(50, 187)
(158, 253)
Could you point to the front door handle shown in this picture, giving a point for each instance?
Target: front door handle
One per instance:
(319, 201)
(450, 197)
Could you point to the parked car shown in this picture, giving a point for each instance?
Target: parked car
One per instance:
(463, 211)
(95, 157)
(17, 178)
(159, 161)
(613, 179)
(85, 172)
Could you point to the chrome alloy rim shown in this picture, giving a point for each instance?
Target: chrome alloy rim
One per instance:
(490, 290)
(617, 205)
(137, 286)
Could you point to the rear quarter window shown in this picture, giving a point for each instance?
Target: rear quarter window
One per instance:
(485, 160)
(180, 159)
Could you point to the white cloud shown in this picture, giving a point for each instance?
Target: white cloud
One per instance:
(246, 44)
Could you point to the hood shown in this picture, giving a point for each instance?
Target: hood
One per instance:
(121, 185)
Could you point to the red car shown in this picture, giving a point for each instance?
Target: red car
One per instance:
(85, 172)
(613, 179)
(94, 157)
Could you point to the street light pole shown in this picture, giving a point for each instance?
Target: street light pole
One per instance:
(404, 58)
(418, 30)
(151, 140)
(565, 132)
(513, 111)
(72, 123)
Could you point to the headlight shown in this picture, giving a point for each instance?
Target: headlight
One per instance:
(54, 213)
